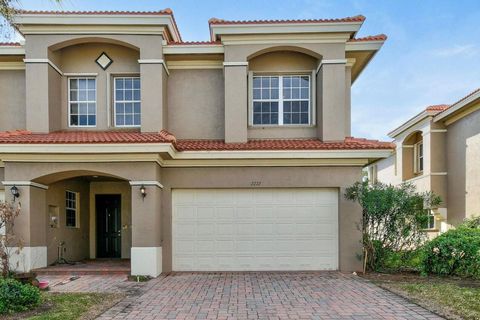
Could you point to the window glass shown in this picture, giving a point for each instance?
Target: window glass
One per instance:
(82, 102)
(290, 107)
(127, 101)
(70, 209)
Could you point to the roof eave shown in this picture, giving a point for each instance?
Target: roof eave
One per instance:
(457, 107)
(32, 19)
(217, 29)
(410, 123)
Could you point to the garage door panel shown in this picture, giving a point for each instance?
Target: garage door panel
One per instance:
(255, 229)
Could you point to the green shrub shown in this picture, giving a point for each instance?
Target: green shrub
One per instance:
(471, 223)
(398, 261)
(456, 252)
(17, 297)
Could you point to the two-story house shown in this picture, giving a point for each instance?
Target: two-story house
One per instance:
(122, 141)
(438, 151)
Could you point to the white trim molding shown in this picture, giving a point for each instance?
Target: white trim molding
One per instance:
(194, 64)
(155, 61)
(53, 65)
(12, 65)
(28, 258)
(193, 49)
(331, 61)
(235, 64)
(147, 183)
(146, 261)
(25, 184)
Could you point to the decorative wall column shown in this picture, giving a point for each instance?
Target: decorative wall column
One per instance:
(153, 77)
(146, 255)
(332, 114)
(30, 229)
(236, 101)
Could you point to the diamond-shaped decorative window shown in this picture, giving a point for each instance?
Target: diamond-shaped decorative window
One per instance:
(104, 61)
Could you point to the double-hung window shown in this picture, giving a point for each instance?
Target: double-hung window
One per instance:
(82, 102)
(281, 100)
(127, 101)
(71, 209)
(418, 154)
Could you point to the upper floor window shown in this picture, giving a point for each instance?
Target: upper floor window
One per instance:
(127, 101)
(82, 102)
(418, 155)
(281, 100)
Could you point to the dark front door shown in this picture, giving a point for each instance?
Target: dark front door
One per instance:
(109, 226)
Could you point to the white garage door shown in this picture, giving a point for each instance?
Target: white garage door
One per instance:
(255, 229)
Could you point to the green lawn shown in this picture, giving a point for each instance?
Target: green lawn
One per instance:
(448, 298)
(69, 306)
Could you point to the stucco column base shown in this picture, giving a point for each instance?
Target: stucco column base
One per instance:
(146, 261)
(27, 258)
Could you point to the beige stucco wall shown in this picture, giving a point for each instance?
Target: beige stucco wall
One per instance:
(279, 62)
(110, 187)
(336, 177)
(463, 154)
(39, 99)
(76, 239)
(196, 104)
(81, 59)
(12, 100)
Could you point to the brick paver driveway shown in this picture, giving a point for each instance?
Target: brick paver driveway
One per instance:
(265, 295)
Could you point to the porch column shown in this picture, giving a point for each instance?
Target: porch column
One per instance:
(146, 255)
(30, 227)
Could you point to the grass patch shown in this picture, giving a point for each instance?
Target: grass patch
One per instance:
(69, 306)
(451, 300)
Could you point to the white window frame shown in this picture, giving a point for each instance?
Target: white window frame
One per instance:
(125, 101)
(280, 100)
(70, 102)
(76, 209)
(431, 215)
(419, 157)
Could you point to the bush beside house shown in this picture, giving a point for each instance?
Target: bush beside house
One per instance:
(456, 252)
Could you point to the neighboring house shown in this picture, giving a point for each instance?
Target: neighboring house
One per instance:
(123, 141)
(438, 150)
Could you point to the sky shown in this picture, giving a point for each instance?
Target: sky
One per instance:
(432, 55)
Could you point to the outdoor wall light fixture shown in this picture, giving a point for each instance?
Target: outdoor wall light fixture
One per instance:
(143, 191)
(15, 193)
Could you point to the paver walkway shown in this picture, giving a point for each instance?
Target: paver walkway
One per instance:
(94, 283)
(264, 295)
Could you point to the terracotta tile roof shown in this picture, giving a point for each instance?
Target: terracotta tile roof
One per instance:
(189, 43)
(10, 44)
(378, 37)
(358, 18)
(294, 144)
(167, 11)
(438, 107)
(80, 137)
(62, 137)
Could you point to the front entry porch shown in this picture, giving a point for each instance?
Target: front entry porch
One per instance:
(88, 267)
(83, 222)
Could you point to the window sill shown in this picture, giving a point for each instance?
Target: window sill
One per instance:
(431, 230)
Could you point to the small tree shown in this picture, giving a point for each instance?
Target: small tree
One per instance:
(394, 218)
(9, 244)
